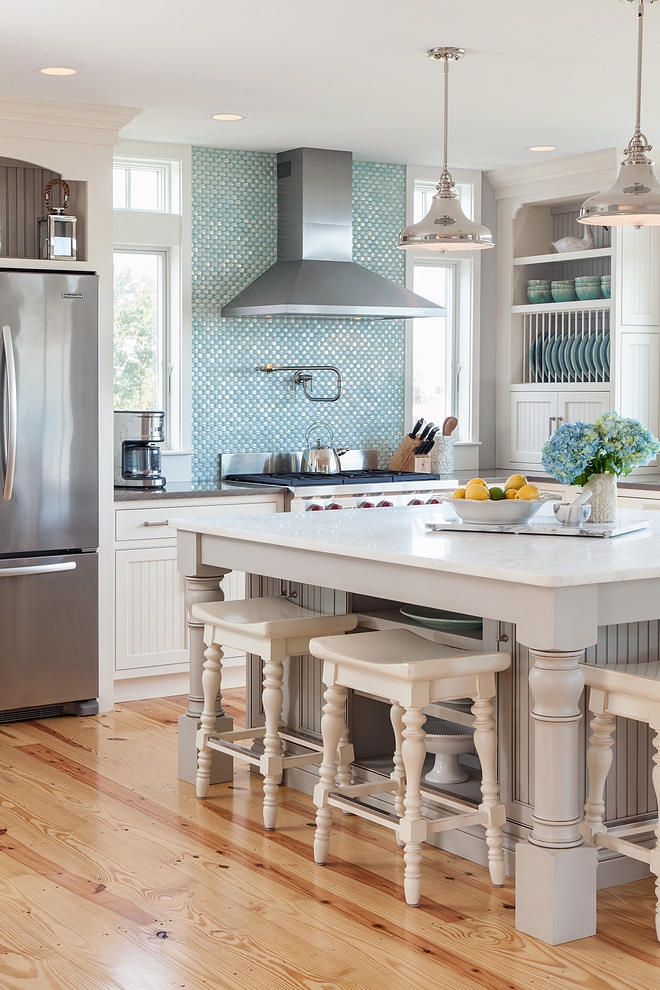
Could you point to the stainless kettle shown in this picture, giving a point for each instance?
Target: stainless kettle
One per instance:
(320, 459)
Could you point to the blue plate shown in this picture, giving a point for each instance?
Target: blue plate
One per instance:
(532, 360)
(583, 373)
(604, 354)
(595, 357)
(588, 357)
(553, 367)
(542, 358)
(563, 358)
(571, 356)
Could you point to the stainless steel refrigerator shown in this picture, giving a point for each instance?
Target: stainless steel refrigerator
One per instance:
(48, 494)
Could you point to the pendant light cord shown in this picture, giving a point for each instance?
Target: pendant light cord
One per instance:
(639, 145)
(640, 44)
(446, 159)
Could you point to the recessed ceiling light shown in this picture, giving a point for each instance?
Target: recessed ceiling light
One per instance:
(59, 70)
(226, 116)
(543, 147)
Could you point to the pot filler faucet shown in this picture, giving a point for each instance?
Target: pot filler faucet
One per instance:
(302, 377)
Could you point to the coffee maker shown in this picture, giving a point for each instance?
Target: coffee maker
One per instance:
(137, 454)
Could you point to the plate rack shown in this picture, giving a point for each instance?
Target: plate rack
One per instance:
(566, 346)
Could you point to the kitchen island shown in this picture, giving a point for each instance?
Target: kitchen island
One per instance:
(556, 590)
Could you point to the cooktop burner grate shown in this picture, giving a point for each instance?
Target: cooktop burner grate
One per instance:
(354, 478)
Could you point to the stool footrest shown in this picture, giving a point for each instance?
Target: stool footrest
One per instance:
(452, 804)
(623, 846)
(359, 790)
(455, 821)
(304, 760)
(364, 811)
(232, 749)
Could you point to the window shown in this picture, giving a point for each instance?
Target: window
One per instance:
(145, 185)
(152, 283)
(433, 345)
(140, 346)
(441, 356)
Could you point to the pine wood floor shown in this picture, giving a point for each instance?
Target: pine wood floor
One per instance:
(114, 877)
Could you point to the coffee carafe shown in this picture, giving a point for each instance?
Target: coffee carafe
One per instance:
(137, 454)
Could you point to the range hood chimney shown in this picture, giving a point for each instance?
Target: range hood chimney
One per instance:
(314, 274)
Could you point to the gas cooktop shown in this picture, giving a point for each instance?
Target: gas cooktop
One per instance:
(301, 480)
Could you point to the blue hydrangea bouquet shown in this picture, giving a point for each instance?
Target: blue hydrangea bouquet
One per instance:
(612, 445)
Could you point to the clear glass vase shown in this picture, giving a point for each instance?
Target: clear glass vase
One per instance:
(603, 500)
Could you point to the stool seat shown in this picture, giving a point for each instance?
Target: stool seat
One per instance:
(411, 672)
(273, 629)
(406, 655)
(270, 618)
(631, 691)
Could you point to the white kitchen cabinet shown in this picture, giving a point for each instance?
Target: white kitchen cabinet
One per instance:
(639, 363)
(537, 206)
(150, 609)
(536, 414)
(638, 266)
(151, 634)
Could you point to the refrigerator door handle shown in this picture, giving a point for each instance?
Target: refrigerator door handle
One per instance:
(69, 565)
(11, 412)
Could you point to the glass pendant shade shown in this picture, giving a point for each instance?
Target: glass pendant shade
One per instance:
(634, 199)
(445, 227)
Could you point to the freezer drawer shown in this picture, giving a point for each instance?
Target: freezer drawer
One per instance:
(48, 630)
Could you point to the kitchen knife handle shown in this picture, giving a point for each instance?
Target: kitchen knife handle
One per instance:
(418, 425)
(12, 412)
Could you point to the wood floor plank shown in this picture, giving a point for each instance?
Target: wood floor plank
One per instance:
(95, 802)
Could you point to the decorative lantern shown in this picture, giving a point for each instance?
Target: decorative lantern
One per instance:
(57, 231)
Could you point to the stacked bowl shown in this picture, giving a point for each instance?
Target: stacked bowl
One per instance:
(588, 287)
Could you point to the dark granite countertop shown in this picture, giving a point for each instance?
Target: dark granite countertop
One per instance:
(199, 489)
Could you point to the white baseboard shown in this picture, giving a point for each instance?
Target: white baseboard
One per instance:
(165, 685)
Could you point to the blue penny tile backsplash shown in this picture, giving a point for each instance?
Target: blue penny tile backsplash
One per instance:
(234, 236)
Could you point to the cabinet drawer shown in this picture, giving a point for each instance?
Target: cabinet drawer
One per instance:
(151, 523)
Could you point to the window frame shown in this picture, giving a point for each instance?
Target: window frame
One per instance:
(163, 334)
(465, 380)
(155, 231)
(168, 182)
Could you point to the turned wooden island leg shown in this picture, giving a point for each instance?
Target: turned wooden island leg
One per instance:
(201, 588)
(555, 871)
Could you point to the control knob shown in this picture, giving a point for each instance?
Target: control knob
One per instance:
(314, 507)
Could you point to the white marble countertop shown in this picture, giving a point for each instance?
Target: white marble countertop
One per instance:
(398, 535)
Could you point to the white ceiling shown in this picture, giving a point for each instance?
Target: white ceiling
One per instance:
(346, 74)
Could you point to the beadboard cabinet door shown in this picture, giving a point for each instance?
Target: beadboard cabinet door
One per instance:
(639, 363)
(639, 289)
(536, 415)
(150, 609)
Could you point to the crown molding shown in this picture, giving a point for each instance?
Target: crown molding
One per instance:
(552, 169)
(88, 123)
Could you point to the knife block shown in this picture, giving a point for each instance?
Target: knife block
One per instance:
(404, 456)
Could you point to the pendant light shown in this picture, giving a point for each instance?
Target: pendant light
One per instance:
(445, 227)
(634, 199)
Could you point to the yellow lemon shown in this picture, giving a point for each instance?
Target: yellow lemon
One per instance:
(459, 493)
(478, 492)
(529, 492)
(476, 481)
(516, 481)
(511, 493)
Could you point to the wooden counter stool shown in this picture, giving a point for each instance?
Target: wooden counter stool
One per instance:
(272, 628)
(631, 690)
(412, 672)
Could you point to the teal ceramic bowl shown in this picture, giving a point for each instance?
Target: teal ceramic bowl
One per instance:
(539, 294)
(588, 290)
(606, 286)
(563, 290)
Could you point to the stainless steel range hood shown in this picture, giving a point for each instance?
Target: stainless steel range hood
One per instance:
(314, 274)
